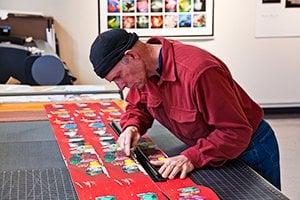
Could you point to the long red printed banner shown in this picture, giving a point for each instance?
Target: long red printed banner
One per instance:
(98, 167)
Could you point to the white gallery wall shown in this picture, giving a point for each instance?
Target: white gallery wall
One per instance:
(267, 68)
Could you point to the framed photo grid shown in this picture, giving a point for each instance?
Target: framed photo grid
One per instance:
(169, 18)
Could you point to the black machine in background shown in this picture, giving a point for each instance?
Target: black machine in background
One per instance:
(29, 52)
(32, 66)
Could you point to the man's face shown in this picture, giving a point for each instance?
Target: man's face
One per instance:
(129, 72)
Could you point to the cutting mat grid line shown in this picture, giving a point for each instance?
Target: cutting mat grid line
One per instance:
(236, 181)
(36, 184)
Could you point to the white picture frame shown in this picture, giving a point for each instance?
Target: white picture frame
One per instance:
(168, 18)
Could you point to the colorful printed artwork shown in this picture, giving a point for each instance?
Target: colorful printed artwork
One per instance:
(148, 196)
(170, 5)
(99, 168)
(171, 21)
(158, 17)
(106, 198)
(142, 21)
(113, 22)
(190, 193)
(157, 21)
(129, 22)
(199, 5)
(199, 20)
(185, 21)
(142, 6)
(185, 5)
(128, 6)
(113, 6)
(156, 5)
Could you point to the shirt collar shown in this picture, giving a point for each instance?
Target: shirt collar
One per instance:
(168, 64)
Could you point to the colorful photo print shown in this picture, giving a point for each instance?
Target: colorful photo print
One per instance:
(81, 105)
(128, 6)
(69, 126)
(185, 20)
(190, 193)
(116, 113)
(148, 196)
(156, 5)
(199, 5)
(64, 121)
(88, 157)
(130, 166)
(94, 168)
(109, 157)
(157, 21)
(65, 117)
(113, 22)
(58, 106)
(75, 159)
(199, 20)
(271, 1)
(86, 149)
(128, 22)
(142, 21)
(59, 111)
(90, 114)
(142, 6)
(157, 157)
(170, 5)
(113, 6)
(185, 5)
(171, 21)
(106, 198)
(292, 3)
(97, 125)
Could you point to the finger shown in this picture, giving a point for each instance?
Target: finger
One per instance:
(183, 172)
(127, 144)
(174, 172)
(163, 168)
(167, 171)
(120, 142)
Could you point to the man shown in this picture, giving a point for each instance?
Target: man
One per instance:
(192, 93)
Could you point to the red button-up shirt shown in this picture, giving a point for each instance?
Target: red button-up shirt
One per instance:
(197, 99)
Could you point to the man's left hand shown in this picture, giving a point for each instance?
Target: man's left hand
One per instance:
(170, 167)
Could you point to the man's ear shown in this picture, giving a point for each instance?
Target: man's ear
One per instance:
(132, 54)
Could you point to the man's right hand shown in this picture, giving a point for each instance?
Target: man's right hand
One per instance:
(129, 138)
